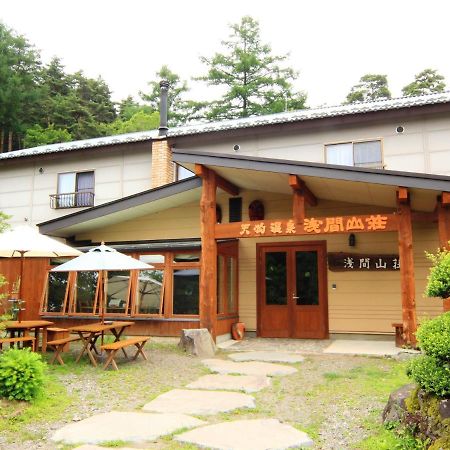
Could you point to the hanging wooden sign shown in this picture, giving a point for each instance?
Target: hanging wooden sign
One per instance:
(352, 262)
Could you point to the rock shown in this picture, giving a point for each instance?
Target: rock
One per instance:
(197, 342)
(444, 408)
(396, 407)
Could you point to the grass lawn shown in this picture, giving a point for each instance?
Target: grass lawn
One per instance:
(336, 399)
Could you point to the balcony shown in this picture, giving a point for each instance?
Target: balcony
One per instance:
(78, 199)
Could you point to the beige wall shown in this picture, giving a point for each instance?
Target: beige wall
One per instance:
(362, 301)
(424, 146)
(24, 191)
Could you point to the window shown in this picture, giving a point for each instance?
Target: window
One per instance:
(358, 154)
(227, 278)
(74, 190)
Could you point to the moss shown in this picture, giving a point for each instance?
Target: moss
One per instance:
(440, 443)
(412, 402)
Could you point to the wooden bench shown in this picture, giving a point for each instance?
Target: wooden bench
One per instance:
(56, 333)
(113, 348)
(15, 340)
(59, 346)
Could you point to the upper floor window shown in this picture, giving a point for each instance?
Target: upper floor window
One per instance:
(358, 154)
(75, 190)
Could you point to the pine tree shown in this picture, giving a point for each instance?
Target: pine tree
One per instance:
(426, 82)
(370, 87)
(254, 81)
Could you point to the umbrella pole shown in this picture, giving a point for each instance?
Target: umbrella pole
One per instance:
(19, 303)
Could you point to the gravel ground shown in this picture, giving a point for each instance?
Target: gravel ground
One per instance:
(331, 397)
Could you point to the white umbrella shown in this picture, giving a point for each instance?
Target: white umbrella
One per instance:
(102, 259)
(25, 241)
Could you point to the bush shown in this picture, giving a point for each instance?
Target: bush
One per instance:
(21, 374)
(434, 336)
(431, 374)
(439, 277)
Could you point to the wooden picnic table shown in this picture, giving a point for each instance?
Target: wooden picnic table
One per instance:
(91, 332)
(23, 328)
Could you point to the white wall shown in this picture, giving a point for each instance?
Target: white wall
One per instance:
(424, 146)
(24, 191)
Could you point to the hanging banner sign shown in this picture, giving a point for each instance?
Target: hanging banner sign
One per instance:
(352, 262)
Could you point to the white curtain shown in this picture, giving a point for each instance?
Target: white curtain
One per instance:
(340, 154)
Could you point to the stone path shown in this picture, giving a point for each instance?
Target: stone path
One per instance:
(246, 383)
(248, 368)
(267, 356)
(259, 434)
(209, 395)
(199, 403)
(123, 426)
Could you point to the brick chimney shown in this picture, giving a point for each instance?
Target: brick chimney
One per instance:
(162, 164)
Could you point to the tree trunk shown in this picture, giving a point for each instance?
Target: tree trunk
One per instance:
(10, 140)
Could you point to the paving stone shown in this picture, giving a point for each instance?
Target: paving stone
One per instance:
(267, 356)
(123, 426)
(260, 434)
(199, 402)
(248, 368)
(246, 383)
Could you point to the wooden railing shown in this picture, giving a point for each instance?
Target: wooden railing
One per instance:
(72, 200)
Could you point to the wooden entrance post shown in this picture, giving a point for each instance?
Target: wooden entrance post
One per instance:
(443, 211)
(208, 268)
(405, 238)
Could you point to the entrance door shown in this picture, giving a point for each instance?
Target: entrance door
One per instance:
(292, 290)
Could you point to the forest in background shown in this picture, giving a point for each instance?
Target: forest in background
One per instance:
(44, 104)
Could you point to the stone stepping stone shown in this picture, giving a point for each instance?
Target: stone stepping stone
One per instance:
(282, 357)
(223, 366)
(199, 402)
(246, 383)
(123, 426)
(259, 434)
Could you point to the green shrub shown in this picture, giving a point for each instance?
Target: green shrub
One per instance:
(21, 374)
(431, 374)
(439, 277)
(434, 336)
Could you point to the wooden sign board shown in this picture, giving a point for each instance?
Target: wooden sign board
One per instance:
(352, 262)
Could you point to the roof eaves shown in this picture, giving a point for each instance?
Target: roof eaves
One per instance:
(120, 204)
(320, 170)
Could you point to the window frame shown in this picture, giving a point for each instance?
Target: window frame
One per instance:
(353, 142)
(58, 187)
(227, 251)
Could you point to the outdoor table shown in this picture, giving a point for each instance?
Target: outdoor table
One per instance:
(90, 333)
(25, 326)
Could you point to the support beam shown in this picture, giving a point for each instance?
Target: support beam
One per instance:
(208, 272)
(299, 185)
(405, 244)
(221, 182)
(298, 207)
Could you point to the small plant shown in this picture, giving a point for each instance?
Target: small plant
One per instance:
(21, 374)
(432, 370)
(439, 277)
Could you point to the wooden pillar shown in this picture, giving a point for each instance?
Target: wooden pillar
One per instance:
(208, 272)
(405, 238)
(443, 211)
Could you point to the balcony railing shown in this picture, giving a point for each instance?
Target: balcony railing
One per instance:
(72, 200)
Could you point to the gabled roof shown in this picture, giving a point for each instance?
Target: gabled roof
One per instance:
(304, 115)
(126, 208)
(336, 183)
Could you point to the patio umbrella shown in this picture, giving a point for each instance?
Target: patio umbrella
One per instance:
(25, 241)
(102, 259)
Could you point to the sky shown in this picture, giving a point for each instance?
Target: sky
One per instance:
(330, 43)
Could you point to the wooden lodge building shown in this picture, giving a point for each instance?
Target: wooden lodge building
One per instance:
(300, 225)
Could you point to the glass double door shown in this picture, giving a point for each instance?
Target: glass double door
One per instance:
(292, 290)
